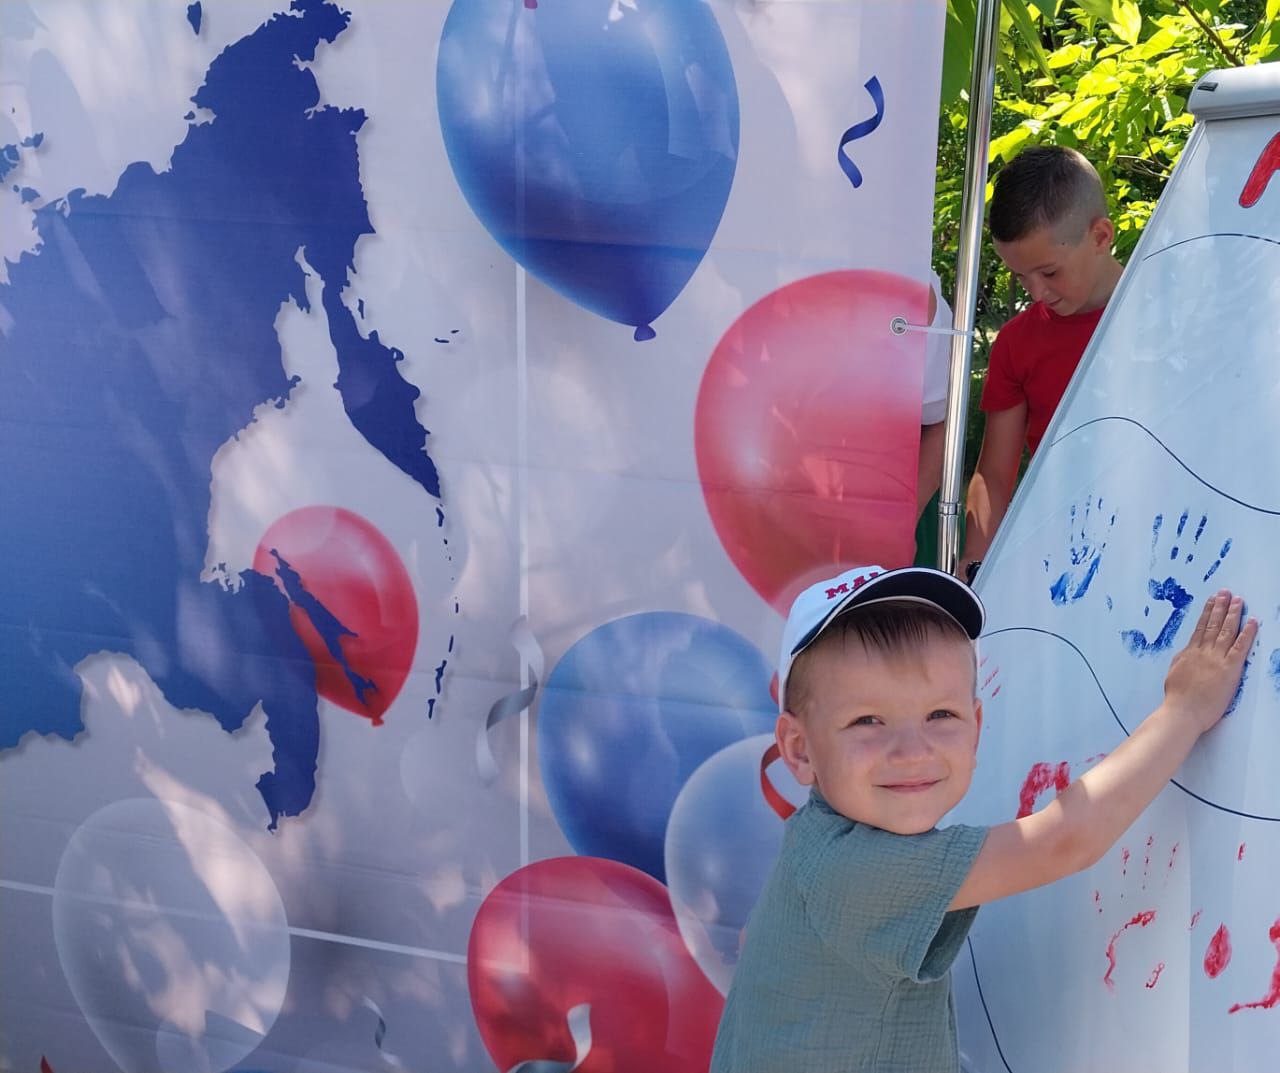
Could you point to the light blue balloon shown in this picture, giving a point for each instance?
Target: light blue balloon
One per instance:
(722, 841)
(595, 140)
(630, 712)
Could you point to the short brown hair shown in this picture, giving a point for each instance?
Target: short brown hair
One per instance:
(1046, 186)
(888, 626)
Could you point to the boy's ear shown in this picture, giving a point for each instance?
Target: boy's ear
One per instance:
(788, 732)
(1102, 234)
(977, 737)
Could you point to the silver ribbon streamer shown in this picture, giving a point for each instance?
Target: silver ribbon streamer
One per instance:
(380, 1033)
(504, 708)
(580, 1029)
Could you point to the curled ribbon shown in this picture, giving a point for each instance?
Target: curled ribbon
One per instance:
(380, 1033)
(513, 703)
(861, 130)
(777, 802)
(580, 1029)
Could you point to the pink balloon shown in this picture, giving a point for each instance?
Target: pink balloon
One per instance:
(807, 430)
(570, 931)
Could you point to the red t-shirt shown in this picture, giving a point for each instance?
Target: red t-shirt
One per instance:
(1032, 360)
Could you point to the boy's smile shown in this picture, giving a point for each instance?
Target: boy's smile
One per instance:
(889, 739)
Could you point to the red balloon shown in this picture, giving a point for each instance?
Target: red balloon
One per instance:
(807, 430)
(573, 930)
(349, 566)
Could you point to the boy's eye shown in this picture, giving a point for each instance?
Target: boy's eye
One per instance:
(865, 721)
(1049, 275)
(942, 713)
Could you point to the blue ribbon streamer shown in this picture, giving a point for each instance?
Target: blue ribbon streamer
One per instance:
(861, 130)
(530, 652)
(380, 1033)
(580, 1029)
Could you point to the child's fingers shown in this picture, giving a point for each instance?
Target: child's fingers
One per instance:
(1242, 644)
(1217, 615)
(1203, 622)
(1230, 629)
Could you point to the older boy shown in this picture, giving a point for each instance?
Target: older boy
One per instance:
(1049, 224)
(847, 959)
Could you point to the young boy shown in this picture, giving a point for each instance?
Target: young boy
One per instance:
(1049, 224)
(846, 964)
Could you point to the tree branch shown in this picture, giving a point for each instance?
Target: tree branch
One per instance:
(1212, 34)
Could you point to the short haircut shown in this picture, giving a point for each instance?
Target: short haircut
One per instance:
(891, 627)
(1046, 186)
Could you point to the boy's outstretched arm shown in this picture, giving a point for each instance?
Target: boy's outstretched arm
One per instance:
(1077, 829)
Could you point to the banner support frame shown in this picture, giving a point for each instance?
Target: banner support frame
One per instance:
(986, 43)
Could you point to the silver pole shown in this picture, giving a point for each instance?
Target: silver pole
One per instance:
(981, 97)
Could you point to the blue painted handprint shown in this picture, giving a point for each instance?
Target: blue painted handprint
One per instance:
(1183, 549)
(1087, 535)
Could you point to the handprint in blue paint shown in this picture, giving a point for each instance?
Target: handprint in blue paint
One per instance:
(1087, 536)
(1248, 663)
(1183, 548)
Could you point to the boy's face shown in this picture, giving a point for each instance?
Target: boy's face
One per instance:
(1068, 277)
(890, 740)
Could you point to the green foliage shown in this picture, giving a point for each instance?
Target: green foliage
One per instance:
(1107, 77)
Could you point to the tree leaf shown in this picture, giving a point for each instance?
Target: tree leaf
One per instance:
(1099, 9)
(1028, 32)
(1081, 110)
(1126, 20)
(1069, 55)
(1007, 145)
(957, 50)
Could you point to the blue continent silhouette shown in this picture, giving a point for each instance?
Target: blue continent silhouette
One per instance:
(136, 342)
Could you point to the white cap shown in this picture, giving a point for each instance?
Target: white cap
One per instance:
(815, 608)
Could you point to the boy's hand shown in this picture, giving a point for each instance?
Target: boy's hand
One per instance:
(1205, 675)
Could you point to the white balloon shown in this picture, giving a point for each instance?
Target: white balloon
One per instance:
(722, 840)
(172, 936)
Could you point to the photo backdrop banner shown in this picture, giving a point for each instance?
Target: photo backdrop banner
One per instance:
(415, 419)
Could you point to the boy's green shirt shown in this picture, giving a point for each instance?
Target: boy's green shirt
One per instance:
(846, 964)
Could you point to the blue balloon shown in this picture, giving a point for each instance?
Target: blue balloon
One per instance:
(629, 713)
(722, 841)
(596, 140)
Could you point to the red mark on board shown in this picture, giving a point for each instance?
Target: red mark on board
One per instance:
(1268, 164)
(1097, 900)
(1038, 780)
(1173, 855)
(1272, 997)
(1146, 861)
(1195, 919)
(1095, 759)
(992, 677)
(45, 1067)
(1124, 860)
(1155, 976)
(1240, 852)
(1218, 954)
(1140, 920)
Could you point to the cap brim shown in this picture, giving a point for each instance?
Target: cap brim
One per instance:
(922, 583)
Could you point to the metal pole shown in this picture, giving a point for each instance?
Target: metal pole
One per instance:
(981, 97)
